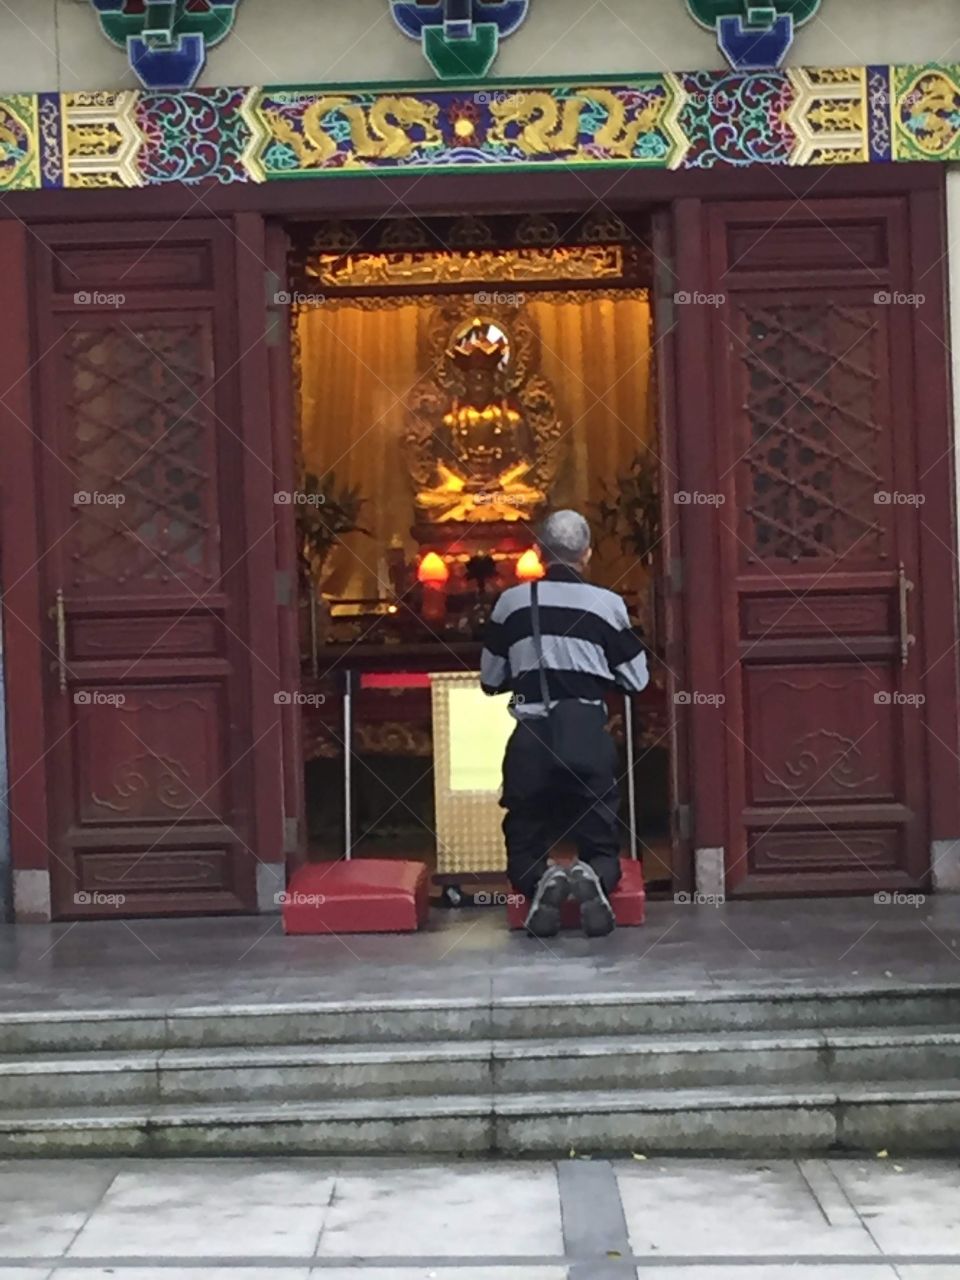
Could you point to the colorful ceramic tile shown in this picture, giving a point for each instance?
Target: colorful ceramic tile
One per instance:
(692, 120)
(753, 35)
(303, 133)
(51, 140)
(102, 140)
(460, 38)
(828, 116)
(166, 40)
(19, 142)
(737, 119)
(880, 117)
(926, 113)
(192, 137)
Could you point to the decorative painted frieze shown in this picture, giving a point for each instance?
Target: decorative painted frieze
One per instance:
(166, 40)
(678, 120)
(460, 38)
(753, 35)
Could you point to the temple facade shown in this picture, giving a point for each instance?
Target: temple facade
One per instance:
(314, 309)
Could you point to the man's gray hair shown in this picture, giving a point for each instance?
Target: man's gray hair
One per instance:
(564, 537)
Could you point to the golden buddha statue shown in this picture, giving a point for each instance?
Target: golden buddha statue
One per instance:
(483, 449)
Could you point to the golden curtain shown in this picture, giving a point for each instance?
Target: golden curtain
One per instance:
(358, 365)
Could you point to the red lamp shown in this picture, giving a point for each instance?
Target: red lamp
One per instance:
(530, 567)
(433, 573)
(432, 570)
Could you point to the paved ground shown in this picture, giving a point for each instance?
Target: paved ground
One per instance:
(576, 1220)
(848, 942)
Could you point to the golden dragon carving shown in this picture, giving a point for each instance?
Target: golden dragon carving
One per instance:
(380, 131)
(549, 125)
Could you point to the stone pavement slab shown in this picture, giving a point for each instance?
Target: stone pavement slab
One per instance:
(44, 1204)
(181, 1273)
(209, 1209)
(446, 1211)
(910, 1207)
(772, 1271)
(434, 1273)
(708, 1209)
(394, 1219)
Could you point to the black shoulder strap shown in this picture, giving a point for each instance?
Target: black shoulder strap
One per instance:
(538, 643)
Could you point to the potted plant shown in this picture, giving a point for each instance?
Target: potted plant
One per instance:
(630, 510)
(326, 513)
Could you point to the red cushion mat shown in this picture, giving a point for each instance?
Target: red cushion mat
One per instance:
(629, 901)
(367, 895)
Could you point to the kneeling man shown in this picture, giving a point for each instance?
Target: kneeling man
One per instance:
(558, 646)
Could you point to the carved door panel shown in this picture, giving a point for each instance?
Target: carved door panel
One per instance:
(817, 500)
(143, 478)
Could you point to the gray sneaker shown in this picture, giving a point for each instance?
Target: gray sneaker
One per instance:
(596, 913)
(543, 918)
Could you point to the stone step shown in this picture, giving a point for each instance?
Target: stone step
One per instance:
(301, 1073)
(574, 1015)
(903, 1117)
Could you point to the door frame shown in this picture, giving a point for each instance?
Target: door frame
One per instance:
(686, 193)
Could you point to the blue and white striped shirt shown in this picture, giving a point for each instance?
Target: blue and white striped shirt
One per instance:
(589, 645)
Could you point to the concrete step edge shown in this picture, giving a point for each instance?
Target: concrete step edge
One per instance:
(603, 999)
(388, 1053)
(585, 1102)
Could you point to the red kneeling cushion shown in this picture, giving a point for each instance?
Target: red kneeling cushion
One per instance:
(366, 895)
(629, 901)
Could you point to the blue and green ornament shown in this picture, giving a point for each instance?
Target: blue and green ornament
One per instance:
(166, 40)
(460, 38)
(753, 35)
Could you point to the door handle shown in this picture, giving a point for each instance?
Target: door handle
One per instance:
(905, 586)
(60, 614)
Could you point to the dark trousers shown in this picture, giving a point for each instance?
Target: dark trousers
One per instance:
(546, 804)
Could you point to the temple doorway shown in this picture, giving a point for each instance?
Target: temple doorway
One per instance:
(454, 379)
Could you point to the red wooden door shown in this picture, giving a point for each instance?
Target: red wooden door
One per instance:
(154, 543)
(286, 479)
(810, 508)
